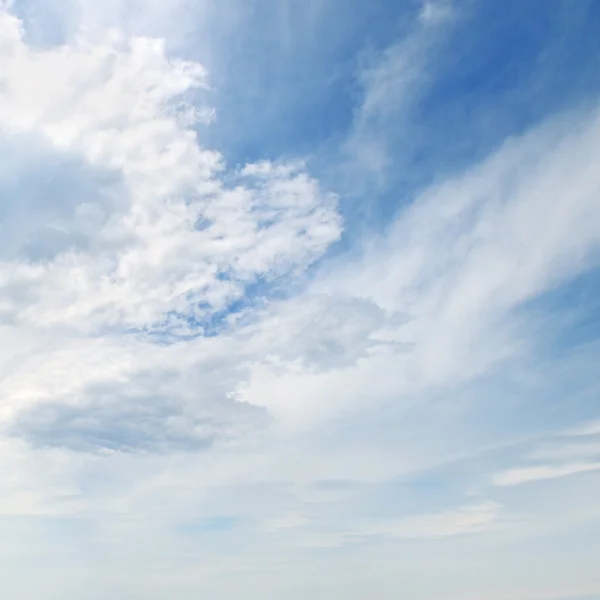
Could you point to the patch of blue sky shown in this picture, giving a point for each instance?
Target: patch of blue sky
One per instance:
(571, 314)
(245, 308)
(504, 68)
(41, 30)
(499, 70)
(289, 70)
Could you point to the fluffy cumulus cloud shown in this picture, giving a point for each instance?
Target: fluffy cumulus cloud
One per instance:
(143, 230)
(208, 379)
(121, 231)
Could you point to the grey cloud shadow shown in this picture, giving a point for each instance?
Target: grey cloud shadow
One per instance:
(119, 420)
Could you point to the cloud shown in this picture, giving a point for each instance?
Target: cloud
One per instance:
(393, 82)
(474, 248)
(466, 520)
(455, 280)
(175, 240)
(587, 429)
(111, 420)
(126, 232)
(120, 105)
(554, 460)
(59, 200)
(302, 532)
(432, 12)
(542, 472)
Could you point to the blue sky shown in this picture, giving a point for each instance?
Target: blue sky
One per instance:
(299, 298)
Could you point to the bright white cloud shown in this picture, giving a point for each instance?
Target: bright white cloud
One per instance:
(176, 242)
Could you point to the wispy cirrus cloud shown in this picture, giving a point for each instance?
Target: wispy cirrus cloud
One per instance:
(541, 472)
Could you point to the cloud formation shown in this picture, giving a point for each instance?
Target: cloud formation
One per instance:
(177, 244)
(207, 380)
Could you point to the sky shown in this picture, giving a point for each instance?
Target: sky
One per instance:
(299, 299)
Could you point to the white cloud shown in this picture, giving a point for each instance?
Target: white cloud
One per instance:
(426, 306)
(553, 460)
(450, 278)
(542, 472)
(144, 259)
(434, 12)
(474, 248)
(465, 520)
(421, 308)
(586, 429)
